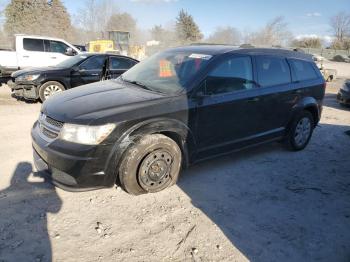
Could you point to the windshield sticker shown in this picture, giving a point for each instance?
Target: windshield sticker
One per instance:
(200, 56)
(165, 69)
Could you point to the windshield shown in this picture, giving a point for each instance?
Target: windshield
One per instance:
(71, 61)
(167, 72)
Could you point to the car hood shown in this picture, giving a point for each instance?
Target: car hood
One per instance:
(99, 102)
(36, 70)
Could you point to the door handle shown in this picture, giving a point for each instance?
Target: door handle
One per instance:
(298, 91)
(26, 56)
(94, 74)
(53, 57)
(255, 99)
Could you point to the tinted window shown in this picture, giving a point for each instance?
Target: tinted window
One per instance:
(93, 63)
(33, 44)
(58, 47)
(233, 74)
(272, 71)
(120, 63)
(303, 70)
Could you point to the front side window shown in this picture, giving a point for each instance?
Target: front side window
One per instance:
(30, 44)
(119, 63)
(302, 70)
(232, 75)
(169, 71)
(58, 47)
(93, 63)
(272, 71)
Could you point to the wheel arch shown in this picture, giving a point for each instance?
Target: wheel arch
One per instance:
(171, 128)
(309, 104)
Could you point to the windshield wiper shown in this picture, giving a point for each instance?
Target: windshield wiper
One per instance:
(136, 83)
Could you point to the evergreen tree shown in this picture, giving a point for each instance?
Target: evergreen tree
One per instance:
(38, 17)
(187, 30)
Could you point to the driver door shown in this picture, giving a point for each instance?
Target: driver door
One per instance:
(89, 71)
(228, 109)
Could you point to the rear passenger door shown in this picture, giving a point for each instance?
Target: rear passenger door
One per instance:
(118, 65)
(33, 53)
(277, 95)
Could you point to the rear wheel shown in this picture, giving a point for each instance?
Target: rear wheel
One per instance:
(300, 131)
(49, 89)
(150, 165)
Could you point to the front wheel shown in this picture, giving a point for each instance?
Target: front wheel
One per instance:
(300, 131)
(49, 89)
(150, 165)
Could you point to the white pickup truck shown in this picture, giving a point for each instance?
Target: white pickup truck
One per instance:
(34, 51)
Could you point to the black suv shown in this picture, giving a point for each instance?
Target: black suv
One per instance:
(177, 107)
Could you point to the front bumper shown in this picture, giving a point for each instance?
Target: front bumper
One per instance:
(343, 97)
(26, 90)
(70, 166)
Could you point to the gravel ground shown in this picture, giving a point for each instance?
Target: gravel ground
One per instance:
(262, 204)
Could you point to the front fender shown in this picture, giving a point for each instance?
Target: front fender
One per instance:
(175, 129)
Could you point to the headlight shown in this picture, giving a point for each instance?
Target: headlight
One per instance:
(88, 135)
(27, 77)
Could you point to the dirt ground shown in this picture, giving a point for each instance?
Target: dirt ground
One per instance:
(262, 204)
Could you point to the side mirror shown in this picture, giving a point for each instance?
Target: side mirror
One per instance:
(69, 51)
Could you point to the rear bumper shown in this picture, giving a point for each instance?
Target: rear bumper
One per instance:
(70, 166)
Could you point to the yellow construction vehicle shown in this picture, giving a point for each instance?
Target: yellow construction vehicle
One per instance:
(117, 41)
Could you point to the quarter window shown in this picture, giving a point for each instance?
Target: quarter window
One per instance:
(30, 44)
(272, 71)
(118, 63)
(94, 63)
(303, 70)
(231, 75)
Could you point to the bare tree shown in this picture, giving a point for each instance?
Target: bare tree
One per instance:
(225, 35)
(275, 33)
(340, 24)
(307, 42)
(94, 16)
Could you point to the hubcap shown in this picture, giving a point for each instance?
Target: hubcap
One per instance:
(154, 171)
(302, 131)
(51, 90)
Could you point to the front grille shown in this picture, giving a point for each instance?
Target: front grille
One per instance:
(49, 133)
(49, 127)
(54, 122)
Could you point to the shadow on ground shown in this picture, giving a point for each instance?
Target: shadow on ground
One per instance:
(23, 220)
(280, 205)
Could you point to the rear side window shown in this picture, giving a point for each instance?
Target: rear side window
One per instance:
(272, 71)
(302, 70)
(118, 63)
(93, 63)
(30, 44)
(233, 74)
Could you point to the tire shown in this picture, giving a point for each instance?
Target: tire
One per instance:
(300, 131)
(50, 88)
(150, 165)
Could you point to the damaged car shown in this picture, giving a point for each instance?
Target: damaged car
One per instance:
(174, 109)
(42, 83)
